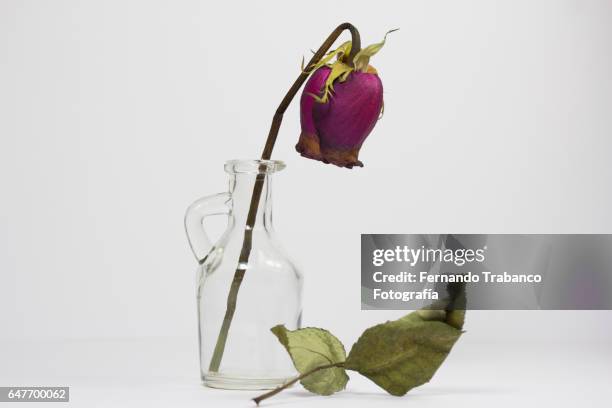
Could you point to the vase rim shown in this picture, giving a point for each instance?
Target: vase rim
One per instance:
(253, 166)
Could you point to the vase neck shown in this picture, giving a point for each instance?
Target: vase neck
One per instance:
(241, 188)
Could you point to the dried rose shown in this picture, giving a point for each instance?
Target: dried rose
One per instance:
(339, 106)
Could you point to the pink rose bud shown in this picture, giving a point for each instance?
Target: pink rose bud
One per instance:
(339, 107)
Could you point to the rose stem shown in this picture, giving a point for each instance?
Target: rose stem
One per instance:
(293, 381)
(215, 361)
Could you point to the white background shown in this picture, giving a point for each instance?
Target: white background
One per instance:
(115, 115)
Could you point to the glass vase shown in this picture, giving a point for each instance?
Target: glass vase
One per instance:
(241, 295)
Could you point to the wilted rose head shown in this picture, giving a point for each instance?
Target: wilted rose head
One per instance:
(339, 106)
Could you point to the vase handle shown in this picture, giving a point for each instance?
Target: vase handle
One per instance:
(218, 204)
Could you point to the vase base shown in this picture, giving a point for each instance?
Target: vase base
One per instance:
(229, 382)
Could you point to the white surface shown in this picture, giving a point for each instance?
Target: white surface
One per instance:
(115, 115)
(162, 373)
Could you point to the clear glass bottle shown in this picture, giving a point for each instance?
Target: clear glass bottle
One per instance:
(268, 294)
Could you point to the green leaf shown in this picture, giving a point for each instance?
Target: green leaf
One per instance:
(310, 348)
(450, 310)
(405, 353)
